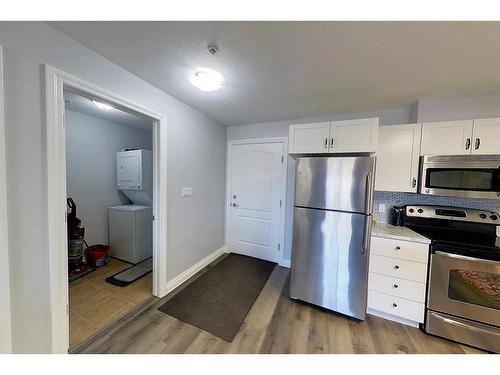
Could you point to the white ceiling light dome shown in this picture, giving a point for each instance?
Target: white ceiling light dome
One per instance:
(207, 80)
(103, 106)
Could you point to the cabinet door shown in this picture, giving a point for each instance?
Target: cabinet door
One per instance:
(398, 152)
(354, 135)
(446, 138)
(486, 136)
(308, 138)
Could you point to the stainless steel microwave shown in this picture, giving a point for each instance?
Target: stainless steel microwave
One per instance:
(469, 176)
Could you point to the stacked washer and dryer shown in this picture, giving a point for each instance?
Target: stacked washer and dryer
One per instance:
(131, 226)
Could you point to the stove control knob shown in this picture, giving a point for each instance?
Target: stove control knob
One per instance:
(493, 217)
(420, 210)
(482, 216)
(411, 210)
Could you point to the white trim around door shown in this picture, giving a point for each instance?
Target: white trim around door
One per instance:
(5, 314)
(230, 144)
(56, 81)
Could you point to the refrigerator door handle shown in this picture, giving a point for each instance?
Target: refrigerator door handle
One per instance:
(368, 194)
(366, 235)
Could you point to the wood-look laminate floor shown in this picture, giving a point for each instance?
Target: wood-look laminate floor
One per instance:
(95, 303)
(275, 324)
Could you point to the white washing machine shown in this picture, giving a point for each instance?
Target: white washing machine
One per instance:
(131, 232)
(131, 226)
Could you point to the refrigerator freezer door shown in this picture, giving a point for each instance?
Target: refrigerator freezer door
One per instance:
(335, 183)
(330, 260)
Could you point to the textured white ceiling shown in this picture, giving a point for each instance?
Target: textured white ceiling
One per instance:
(85, 105)
(291, 70)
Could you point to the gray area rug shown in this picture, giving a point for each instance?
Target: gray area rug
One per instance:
(219, 300)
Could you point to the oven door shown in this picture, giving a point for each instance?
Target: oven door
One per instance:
(464, 286)
(460, 178)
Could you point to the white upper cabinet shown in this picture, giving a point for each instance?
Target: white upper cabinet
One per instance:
(398, 154)
(447, 138)
(334, 137)
(354, 135)
(486, 136)
(309, 138)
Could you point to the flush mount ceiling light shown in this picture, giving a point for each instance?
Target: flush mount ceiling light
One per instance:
(207, 80)
(104, 107)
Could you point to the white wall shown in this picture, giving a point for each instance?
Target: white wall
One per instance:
(280, 129)
(91, 147)
(459, 107)
(196, 158)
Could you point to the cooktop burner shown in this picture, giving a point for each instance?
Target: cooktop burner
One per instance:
(457, 230)
(464, 243)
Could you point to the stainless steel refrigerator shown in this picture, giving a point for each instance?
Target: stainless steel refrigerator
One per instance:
(331, 232)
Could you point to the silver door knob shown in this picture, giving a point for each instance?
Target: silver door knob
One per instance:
(235, 205)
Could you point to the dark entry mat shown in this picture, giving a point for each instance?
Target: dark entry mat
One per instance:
(219, 300)
(131, 274)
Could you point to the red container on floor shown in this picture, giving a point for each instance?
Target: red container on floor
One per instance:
(98, 255)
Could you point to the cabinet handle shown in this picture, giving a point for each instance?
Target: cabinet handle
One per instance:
(395, 286)
(326, 142)
(413, 182)
(478, 143)
(467, 144)
(394, 304)
(398, 247)
(331, 143)
(396, 267)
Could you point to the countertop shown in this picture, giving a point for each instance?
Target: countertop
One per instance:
(385, 230)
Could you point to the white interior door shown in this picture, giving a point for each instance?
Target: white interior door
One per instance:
(255, 199)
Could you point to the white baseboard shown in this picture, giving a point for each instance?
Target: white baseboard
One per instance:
(397, 319)
(178, 280)
(286, 263)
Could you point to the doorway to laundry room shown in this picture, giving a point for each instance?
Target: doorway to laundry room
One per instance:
(109, 186)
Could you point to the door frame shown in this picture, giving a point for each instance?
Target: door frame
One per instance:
(5, 313)
(55, 83)
(230, 144)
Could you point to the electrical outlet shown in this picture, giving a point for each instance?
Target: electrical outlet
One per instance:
(381, 207)
(187, 192)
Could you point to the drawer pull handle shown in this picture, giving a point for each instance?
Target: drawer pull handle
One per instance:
(396, 267)
(398, 247)
(395, 286)
(394, 304)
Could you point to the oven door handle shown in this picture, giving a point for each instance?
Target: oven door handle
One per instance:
(463, 325)
(463, 257)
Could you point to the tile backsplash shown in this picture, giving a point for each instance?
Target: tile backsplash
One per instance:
(399, 199)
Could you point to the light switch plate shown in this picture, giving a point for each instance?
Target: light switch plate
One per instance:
(187, 192)
(381, 207)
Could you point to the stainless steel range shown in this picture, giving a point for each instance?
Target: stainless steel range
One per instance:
(463, 297)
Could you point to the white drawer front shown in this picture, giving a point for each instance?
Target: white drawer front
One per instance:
(401, 307)
(407, 289)
(414, 251)
(399, 268)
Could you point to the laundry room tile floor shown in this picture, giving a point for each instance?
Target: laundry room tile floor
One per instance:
(94, 303)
